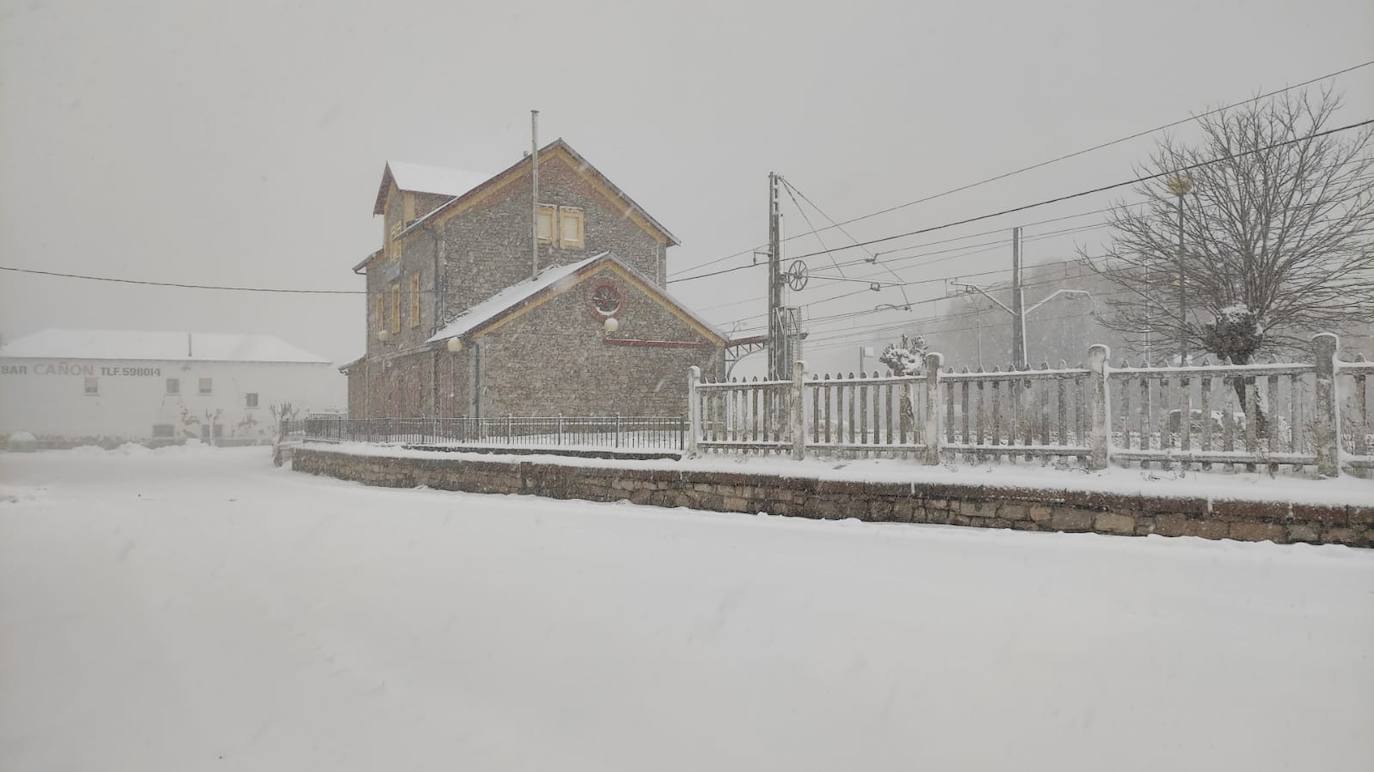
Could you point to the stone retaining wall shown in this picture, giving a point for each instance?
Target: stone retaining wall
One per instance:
(1025, 509)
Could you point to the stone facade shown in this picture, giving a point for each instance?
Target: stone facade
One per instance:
(553, 359)
(947, 504)
(453, 254)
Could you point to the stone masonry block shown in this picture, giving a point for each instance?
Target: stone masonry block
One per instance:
(1258, 532)
(1072, 520)
(1110, 522)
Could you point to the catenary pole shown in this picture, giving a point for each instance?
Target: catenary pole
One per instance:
(1018, 303)
(776, 366)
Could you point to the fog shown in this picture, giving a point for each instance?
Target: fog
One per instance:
(242, 143)
(489, 482)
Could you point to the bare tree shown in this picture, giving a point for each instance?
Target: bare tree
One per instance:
(284, 414)
(1276, 234)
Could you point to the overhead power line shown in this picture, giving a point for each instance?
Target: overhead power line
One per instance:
(180, 285)
(1058, 199)
(1047, 162)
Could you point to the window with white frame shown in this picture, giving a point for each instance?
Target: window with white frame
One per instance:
(250, 399)
(173, 387)
(92, 386)
(207, 386)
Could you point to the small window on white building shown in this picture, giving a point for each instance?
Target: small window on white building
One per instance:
(164, 430)
(207, 386)
(548, 218)
(92, 386)
(250, 399)
(173, 387)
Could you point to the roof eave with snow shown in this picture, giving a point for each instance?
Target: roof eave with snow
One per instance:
(511, 299)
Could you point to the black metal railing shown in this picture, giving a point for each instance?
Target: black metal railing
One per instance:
(593, 432)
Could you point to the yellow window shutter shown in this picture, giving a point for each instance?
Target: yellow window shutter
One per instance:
(548, 216)
(570, 227)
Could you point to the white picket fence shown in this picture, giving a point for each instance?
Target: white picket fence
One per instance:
(1297, 415)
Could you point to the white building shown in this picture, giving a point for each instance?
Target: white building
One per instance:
(103, 386)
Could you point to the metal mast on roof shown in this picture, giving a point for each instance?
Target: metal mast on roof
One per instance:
(534, 193)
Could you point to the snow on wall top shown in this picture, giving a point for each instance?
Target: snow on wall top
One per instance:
(435, 179)
(509, 297)
(157, 345)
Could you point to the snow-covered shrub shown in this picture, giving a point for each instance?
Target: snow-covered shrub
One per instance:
(1236, 334)
(905, 358)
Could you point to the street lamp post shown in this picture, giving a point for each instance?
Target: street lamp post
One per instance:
(1181, 185)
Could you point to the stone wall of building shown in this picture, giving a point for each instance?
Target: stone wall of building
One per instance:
(487, 248)
(567, 365)
(950, 504)
(466, 259)
(550, 360)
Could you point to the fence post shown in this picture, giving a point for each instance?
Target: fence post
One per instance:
(932, 406)
(617, 430)
(510, 427)
(1325, 420)
(560, 428)
(796, 410)
(1099, 412)
(693, 409)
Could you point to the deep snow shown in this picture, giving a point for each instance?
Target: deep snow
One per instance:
(189, 609)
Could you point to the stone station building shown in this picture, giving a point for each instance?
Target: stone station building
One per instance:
(461, 324)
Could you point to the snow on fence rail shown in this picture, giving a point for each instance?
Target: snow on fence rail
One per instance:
(626, 432)
(1354, 397)
(1277, 414)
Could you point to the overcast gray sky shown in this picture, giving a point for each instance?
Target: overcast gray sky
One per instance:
(242, 142)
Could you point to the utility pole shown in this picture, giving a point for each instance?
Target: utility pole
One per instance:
(534, 193)
(1018, 303)
(1017, 309)
(978, 323)
(777, 366)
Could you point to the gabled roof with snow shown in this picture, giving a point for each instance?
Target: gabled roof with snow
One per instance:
(579, 164)
(553, 279)
(159, 346)
(421, 178)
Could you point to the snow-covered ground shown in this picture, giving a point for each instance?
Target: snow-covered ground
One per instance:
(190, 609)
